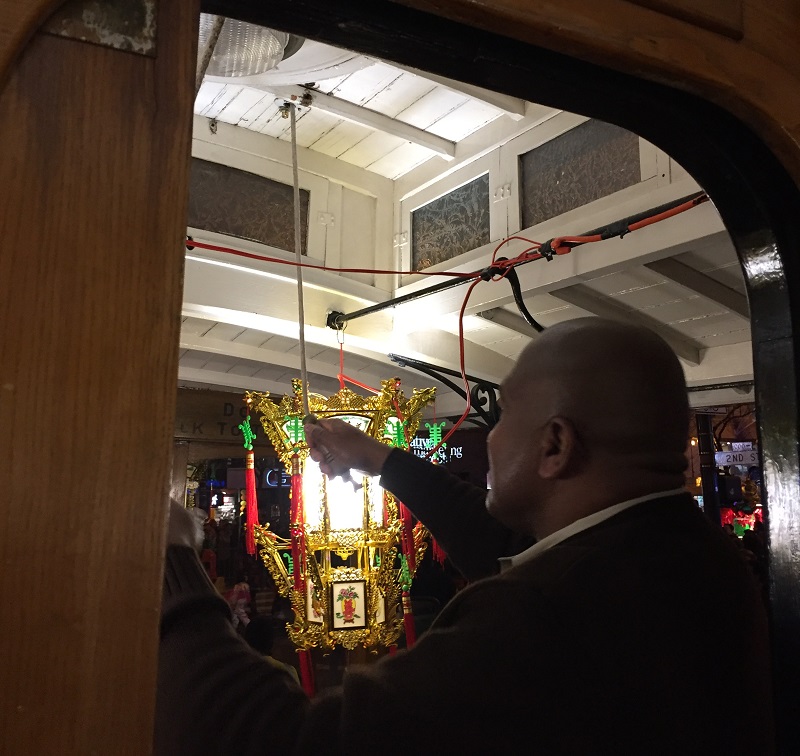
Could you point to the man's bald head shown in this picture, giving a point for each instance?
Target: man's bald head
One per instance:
(594, 413)
(621, 385)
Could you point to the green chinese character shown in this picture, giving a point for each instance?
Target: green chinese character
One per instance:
(435, 433)
(396, 430)
(248, 434)
(294, 429)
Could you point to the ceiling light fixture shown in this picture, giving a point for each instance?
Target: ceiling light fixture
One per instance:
(245, 49)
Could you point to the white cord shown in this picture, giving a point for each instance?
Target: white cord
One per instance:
(301, 319)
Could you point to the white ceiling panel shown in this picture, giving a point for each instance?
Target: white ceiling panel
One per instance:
(400, 160)
(269, 373)
(220, 100)
(219, 363)
(193, 359)
(209, 92)
(246, 100)
(244, 369)
(280, 343)
(341, 138)
(312, 126)
(401, 94)
(721, 337)
(224, 331)
(328, 85)
(366, 83)
(263, 121)
(692, 308)
(197, 326)
(432, 107)
(548, 310)
(371, 149)
(251, 337)
(464, 120)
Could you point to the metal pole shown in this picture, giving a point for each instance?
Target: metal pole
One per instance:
(708, 467)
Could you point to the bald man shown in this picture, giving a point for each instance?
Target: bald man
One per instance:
(630, 626)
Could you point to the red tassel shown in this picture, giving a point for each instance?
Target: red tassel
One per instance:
(408, 620)
(437, 552)
(251, 503)
(307, 672)
(407, 537)
(297, 521)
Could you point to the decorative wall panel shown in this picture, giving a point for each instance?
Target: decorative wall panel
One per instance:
(451, 225)
(228, 201)
(586, 163)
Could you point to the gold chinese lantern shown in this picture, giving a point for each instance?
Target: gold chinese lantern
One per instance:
(352, 551)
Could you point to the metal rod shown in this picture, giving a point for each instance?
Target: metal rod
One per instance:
(336, 320)
(301, 316)
(708, 467)
(208, 52)
(419, 364)
(727, 385)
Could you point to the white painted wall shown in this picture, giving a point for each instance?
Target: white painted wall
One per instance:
(350, 209)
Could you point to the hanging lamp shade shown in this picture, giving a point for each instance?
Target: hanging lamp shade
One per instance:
(242, 49)
(345, 563)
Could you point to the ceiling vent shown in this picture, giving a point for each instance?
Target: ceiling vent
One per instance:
(246, 49)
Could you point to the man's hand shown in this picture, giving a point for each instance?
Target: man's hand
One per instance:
(339, 447)
(185, 526)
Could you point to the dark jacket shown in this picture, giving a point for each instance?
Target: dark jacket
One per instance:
(642, 635)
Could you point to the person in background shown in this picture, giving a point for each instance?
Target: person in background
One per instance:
(239, 600)
(596, 639)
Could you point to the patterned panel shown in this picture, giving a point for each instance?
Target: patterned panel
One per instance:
(451, 225)
(237, 203)
(586, 163)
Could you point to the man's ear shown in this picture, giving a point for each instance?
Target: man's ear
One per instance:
(558, 446)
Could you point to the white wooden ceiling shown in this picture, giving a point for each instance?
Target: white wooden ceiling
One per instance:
(681, 277)
(399, 97)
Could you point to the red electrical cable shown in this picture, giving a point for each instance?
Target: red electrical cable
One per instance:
(364, 386)
(265, 258)
(463, 417)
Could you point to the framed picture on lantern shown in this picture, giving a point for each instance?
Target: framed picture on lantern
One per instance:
(314, 608)
(349, 605)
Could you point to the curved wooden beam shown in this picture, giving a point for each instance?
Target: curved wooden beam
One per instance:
(749, 76)
(18, 23)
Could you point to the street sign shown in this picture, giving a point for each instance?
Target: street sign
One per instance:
(747, 457)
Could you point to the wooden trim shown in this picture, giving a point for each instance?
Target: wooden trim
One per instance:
(18, 23)
(96, 146)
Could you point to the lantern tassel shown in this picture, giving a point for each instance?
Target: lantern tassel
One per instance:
(297, 530)
(251, 503)
(407, 537)
(307, 672)
(437, 552)
(408, 613)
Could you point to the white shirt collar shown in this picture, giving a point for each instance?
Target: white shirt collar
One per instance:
(579, 525)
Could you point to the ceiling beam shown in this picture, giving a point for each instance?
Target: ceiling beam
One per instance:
(509, 321)
(512, 106)
(587, 299)
(701, 284)
(370, 118)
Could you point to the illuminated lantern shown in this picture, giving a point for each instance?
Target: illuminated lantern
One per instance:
(350, 547)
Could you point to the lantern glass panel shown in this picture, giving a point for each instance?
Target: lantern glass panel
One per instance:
(345, 505)
(312, 494)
